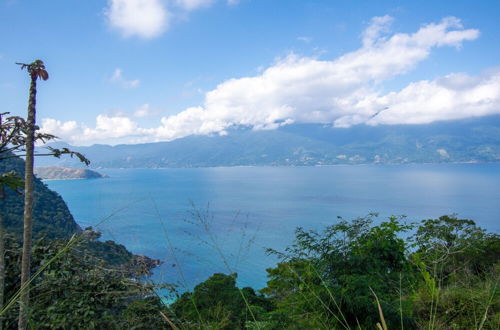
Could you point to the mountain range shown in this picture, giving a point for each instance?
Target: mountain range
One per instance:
(470, 140)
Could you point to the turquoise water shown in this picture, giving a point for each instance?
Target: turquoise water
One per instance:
(247, 209)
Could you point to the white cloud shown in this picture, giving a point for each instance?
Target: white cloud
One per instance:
(120, 80)
(455, 96)
(307, 90)
(150, 18)
(379, 25)
(141, 18)
(107, 129)
(64, 129)
(342, 92)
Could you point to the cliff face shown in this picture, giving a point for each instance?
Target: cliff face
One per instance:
(65, 173)
(51, 216)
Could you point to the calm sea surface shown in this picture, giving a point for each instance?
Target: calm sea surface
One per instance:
(206, 220)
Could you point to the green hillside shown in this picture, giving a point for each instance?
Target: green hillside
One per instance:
(51, 216)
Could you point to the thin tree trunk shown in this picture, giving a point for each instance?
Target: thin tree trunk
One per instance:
(28, 206)
(2, 267)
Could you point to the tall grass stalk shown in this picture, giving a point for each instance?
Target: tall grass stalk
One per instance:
(485, 316)
(172, 252)
(401, 300)
(381, 325)
(170, 323)
(331, 296)
(318, 297)
(204, 221)
(435, 293)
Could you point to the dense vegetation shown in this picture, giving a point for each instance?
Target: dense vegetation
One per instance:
(357, 274)
(52, 218)
(79, 290)
(91, 280)
(50, 213)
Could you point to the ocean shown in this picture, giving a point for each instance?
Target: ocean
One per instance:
(200, 221)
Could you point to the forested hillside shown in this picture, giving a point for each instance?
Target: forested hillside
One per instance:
(77, 279)
(51, 216)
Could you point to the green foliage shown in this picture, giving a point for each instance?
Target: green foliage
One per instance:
(79, 289)
(218, 302)
(145, 314)
(75, 291)
(301, 299)
(451, 246)
(10, 180)
(459, 266)
(329, 274)
(360, 274)
(51, 216)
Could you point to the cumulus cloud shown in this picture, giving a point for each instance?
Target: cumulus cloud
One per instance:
(307, 90)
(455, 96)
(150, 18)
(342, 92)
(141, 18)
(120, 80)
(65, 129)
(107, 129)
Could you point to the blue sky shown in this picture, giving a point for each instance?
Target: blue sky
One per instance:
(130, 71)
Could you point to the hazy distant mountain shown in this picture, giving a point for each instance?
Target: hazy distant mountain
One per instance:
(66, 173)
(471, 140)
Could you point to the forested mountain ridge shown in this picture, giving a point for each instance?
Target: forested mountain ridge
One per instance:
(470, 140)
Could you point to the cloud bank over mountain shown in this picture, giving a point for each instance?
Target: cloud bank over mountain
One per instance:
(344, 91)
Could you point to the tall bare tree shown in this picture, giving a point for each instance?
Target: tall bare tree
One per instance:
(13, 140)
(2, 263)
(35, 70)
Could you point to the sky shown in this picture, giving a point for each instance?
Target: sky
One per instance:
(135, 71)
